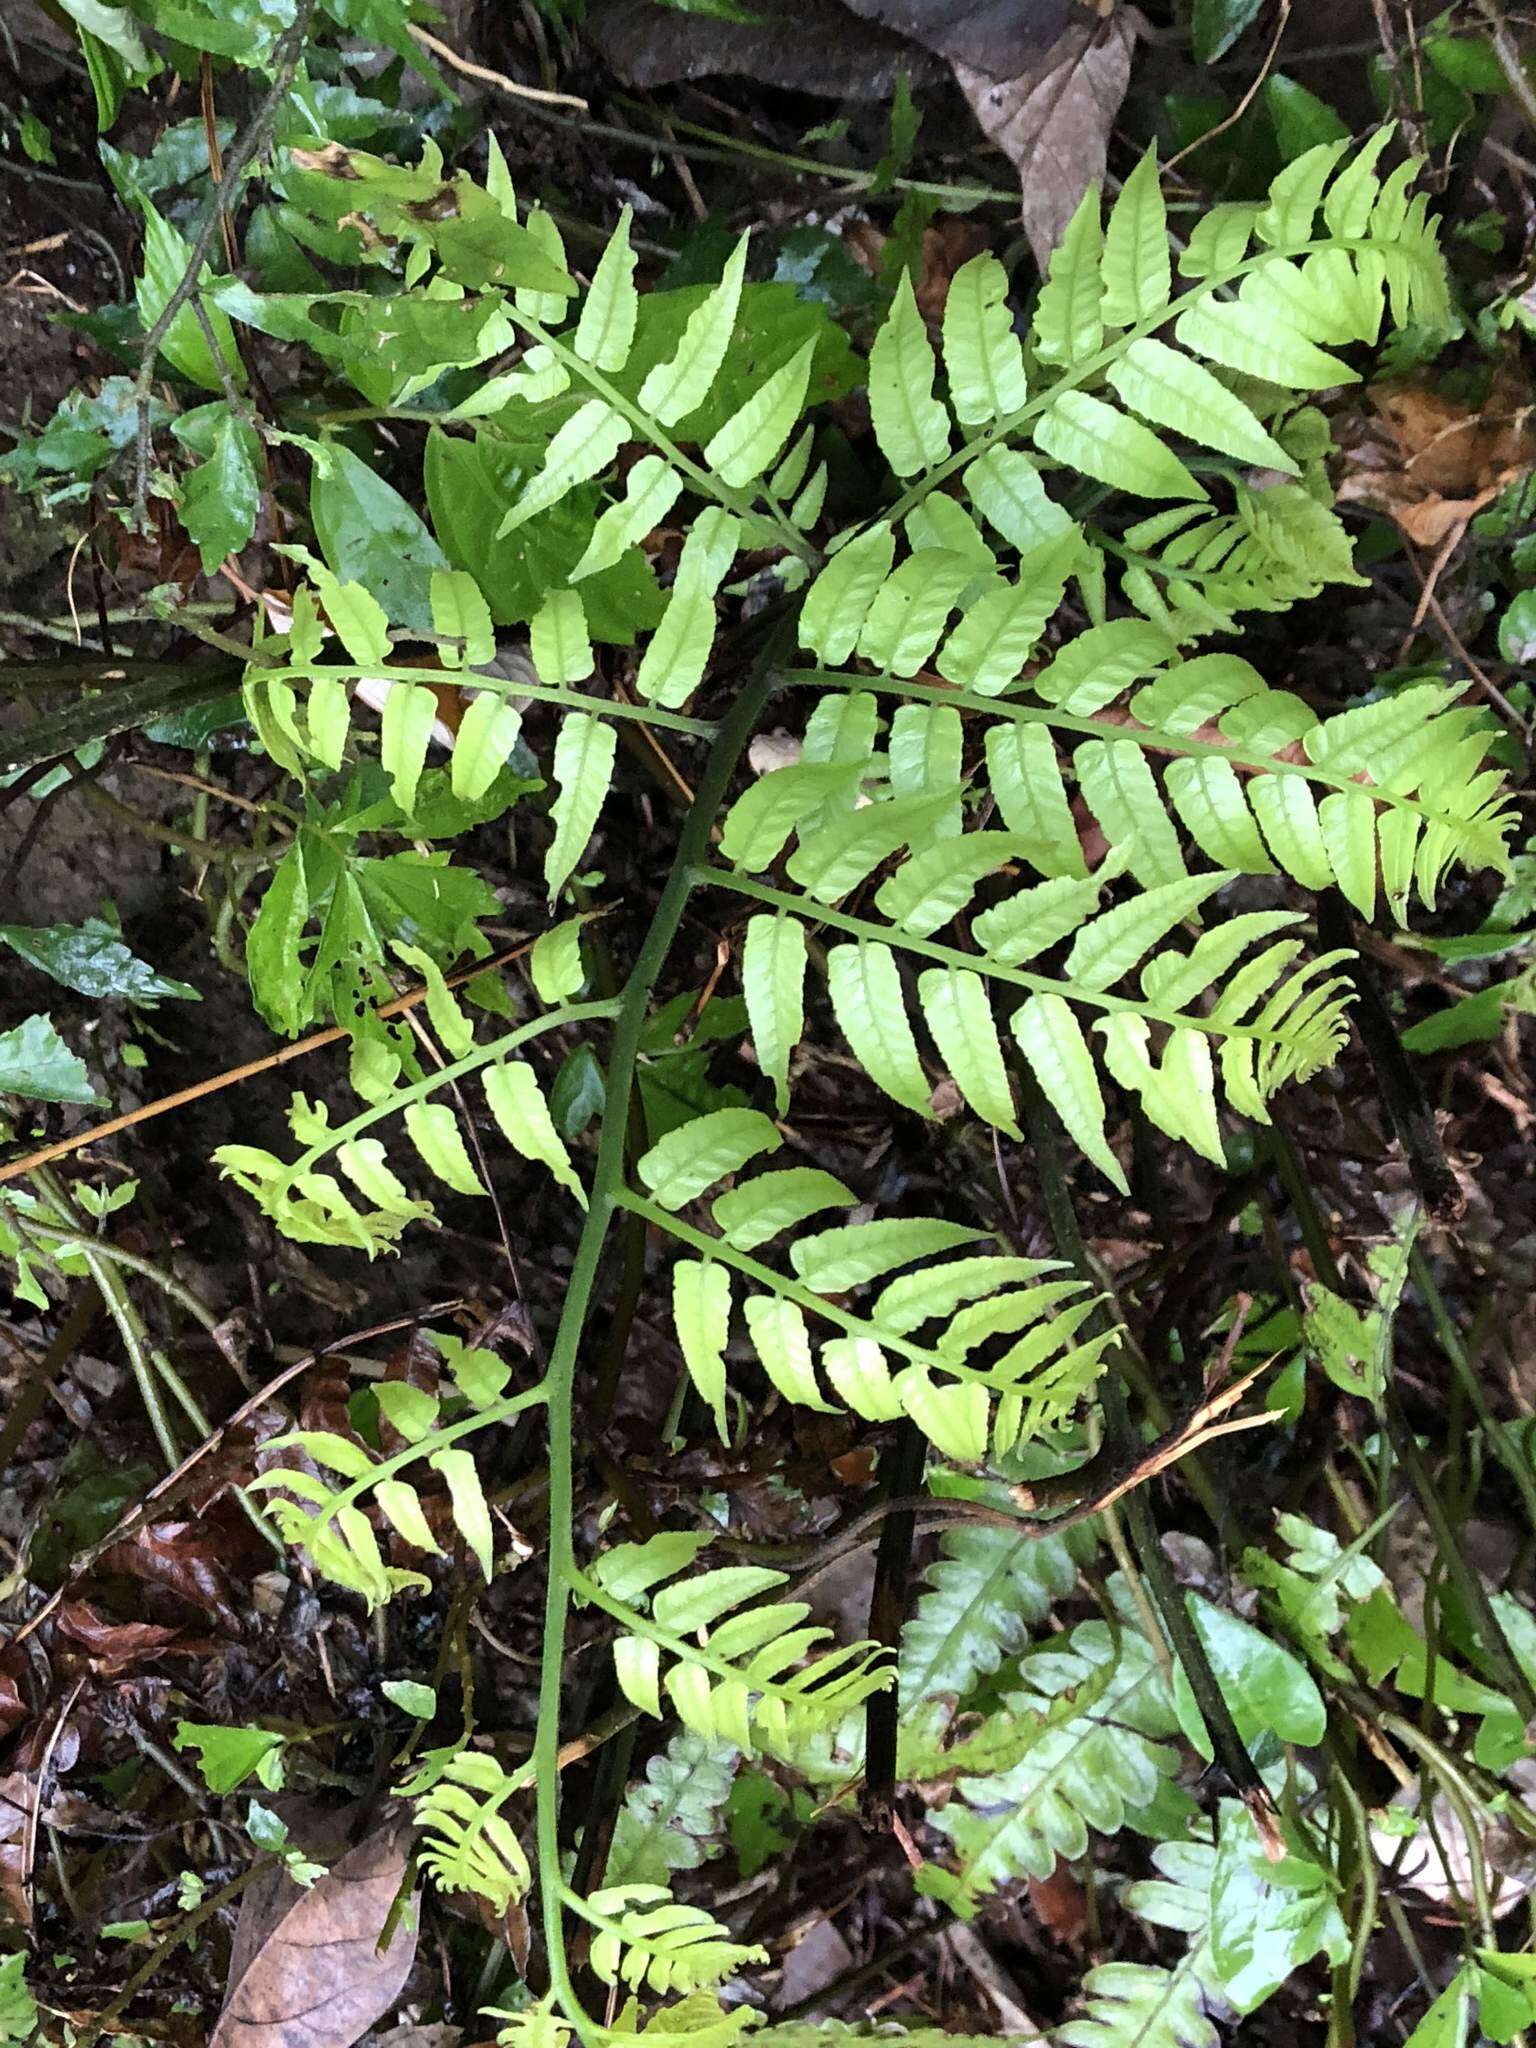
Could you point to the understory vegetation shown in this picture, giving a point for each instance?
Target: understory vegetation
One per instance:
(824, 1332)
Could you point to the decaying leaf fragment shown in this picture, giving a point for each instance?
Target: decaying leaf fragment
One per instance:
(1053, 120)
(305, 1969)
(1432, 462)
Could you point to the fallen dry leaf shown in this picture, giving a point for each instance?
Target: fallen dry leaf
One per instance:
(1053, 120)
(116, 1646)
(1431, 462)
(18, 1809)
(305, 1969)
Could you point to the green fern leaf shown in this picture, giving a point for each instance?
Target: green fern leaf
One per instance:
(1136, 269)
(911, 425)
(773, 961)
(605, 332)
(583, 768)
(680, 385)
(981, 351)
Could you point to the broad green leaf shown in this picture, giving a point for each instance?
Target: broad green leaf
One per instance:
(1068, 324)
(701, 1311)
(770, 1202)
(522, 1115)
(849, 1254)
(836, 858)
(752, 438)
(460, 613)
(773, 982)
(405, 732)
(35, 1062)
(673, 665)
(651, 489)
(1112, 943)
(1218, 24)
(1173, 391)
(606, 329)
(583, 769)
(1231, 336)
(856, 1368)
(471, 1515)
(226, 1757)
(691, 1158)
(1096, 440)
(759, 823)
(1023, 925)
(1121, 791)
(370, 535)
(583, 447)
(917, 1298)
(1268, 1689)
(434, 1130)
(92, 959)
(953, 1415)
(221, 497)
(185, 345)
(783, 1346)
(677, 387)
(958, 1012)
(864, 983)
(1287, 813)
(1051, 1039)
(981, 351)
(355, 615)
(911, 425)
(557, 639)
(483, 744)
(1006, 490)
(910, 611)
(1136, 271)
(1026, 782)
(1208, 796)
(938, 882)
(838, 602)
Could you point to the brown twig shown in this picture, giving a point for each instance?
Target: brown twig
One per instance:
(232, 1076)
(499, 79)
(1245, 102)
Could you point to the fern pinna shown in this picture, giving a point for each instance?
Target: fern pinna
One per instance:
(1017, 788)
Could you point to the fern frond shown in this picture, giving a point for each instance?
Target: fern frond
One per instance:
(1141, 2005)
(339, 1526)
(733, 1668)
(1088, 1770)
(468, 1844)
(669, 1820)
(646, 1939)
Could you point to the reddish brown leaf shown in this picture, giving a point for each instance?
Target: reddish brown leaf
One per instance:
(113, 1646)
(179, 1556)
(305, 1970)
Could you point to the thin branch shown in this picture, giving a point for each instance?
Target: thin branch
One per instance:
(499, 79)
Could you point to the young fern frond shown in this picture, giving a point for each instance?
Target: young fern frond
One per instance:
(732, 1667)
(970, 1411)
(468, 1844)
(644, 1939)
(670, 1819)
(1140, 2005)
(339, 1526)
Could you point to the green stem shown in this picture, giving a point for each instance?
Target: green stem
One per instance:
(559, 1383)
(1149, 738)
(975, 963)
(1004, 429)
(541, 693)
(704, 481)
(1450, 1342)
